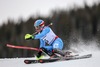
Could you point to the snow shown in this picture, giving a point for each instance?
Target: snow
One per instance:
(91, 48)
(94, 61)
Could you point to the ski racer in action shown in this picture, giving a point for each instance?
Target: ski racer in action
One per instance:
(46, 36)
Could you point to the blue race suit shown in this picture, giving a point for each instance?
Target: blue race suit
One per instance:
(47, 36)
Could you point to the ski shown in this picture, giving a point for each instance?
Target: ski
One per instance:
(57, 59)
(79, 57)
(41, 61)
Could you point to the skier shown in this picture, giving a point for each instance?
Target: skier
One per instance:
(50, 43)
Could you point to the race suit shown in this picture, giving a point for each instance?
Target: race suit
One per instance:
(47, 36)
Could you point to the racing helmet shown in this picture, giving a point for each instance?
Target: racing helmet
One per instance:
(39, 23)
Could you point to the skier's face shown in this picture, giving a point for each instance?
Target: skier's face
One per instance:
(37, 28)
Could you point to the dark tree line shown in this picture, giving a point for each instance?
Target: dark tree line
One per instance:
(69, 25)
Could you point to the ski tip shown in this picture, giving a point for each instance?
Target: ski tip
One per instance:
(26, 62)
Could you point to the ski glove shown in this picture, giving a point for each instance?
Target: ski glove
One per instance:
(29, 36)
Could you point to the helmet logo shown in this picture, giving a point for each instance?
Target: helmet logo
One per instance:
(42, 23)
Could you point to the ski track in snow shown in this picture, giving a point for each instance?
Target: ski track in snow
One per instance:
(94, 61)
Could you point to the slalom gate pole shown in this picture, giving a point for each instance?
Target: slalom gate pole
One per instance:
(23, 47)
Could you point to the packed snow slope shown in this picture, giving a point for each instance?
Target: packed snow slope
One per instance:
(94, 61)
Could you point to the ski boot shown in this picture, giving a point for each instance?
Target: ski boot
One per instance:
(59, 52)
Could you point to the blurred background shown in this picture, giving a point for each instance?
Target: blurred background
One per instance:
(73, 21)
